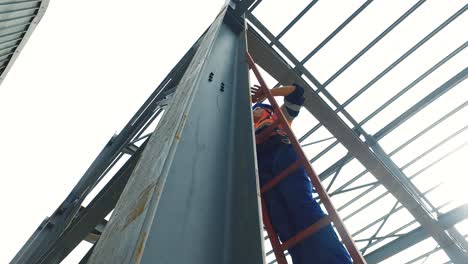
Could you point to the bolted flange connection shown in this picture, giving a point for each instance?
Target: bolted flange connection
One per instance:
(221, 88)
(210, 76)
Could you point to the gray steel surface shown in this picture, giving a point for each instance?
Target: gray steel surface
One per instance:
(193, 196)
(67, 224)
(18, 19)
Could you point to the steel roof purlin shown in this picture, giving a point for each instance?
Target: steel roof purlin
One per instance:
(368, 150)
(21, 17)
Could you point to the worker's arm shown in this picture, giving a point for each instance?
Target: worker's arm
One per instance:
(293, 102)
(283, 90)
(293, 98)
(258, 95)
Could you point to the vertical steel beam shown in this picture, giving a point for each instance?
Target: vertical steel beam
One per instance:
(192, 197)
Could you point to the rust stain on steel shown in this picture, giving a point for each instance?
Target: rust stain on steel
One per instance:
(181, 125)
(139, 249)
(139, 206)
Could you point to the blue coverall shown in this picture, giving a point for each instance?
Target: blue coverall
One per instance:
(291, 207)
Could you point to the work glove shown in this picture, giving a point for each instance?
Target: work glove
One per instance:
(257, 93)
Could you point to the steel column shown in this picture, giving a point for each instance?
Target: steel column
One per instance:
(193, 196)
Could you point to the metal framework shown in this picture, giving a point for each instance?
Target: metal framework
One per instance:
(332, 217)
(376, 162)
(18, 19)
(418, 205)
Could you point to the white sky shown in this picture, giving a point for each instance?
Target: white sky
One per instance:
(89, 66)
(84, 72)
(314, 27)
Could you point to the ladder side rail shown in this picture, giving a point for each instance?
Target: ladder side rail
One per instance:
(344, 234)
(275, 244)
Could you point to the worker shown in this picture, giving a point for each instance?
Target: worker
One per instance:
(290, 205)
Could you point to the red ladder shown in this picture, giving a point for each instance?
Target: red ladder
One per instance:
(279, 248)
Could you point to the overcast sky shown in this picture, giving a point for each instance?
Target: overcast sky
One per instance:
(87, 68)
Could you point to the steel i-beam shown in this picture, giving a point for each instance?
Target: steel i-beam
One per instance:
(192, 197)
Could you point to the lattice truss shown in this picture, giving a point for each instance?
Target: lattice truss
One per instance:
(394, 72)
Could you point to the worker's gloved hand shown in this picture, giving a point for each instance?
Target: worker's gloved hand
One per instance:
(257, 93)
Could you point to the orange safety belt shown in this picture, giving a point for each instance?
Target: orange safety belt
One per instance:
(271, 119)
(279, 248)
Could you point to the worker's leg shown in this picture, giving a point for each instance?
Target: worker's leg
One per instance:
(323, 246)
(280, 219)
(275, 203)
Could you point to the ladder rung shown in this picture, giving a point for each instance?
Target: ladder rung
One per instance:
(306, 232)
(281, 176)
(279, 249)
